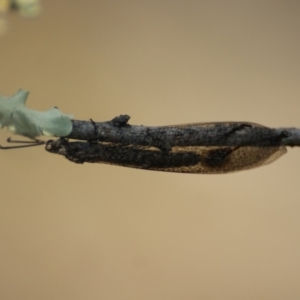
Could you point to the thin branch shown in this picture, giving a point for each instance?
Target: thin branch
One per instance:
(198, 134)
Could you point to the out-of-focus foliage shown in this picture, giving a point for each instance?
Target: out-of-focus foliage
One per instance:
(26, 8)
(4, 7)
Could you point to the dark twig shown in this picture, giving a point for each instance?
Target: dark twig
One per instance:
(197, 134)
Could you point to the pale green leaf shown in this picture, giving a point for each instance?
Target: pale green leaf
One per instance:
(31, 123)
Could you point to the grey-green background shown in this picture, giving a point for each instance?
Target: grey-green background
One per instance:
(95, 231)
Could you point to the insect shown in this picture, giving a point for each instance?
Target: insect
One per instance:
(31, 123)
(204, 148)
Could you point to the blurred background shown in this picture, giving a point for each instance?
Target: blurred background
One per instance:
(95, 231)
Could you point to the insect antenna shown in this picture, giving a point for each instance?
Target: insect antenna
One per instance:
(34, 142)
